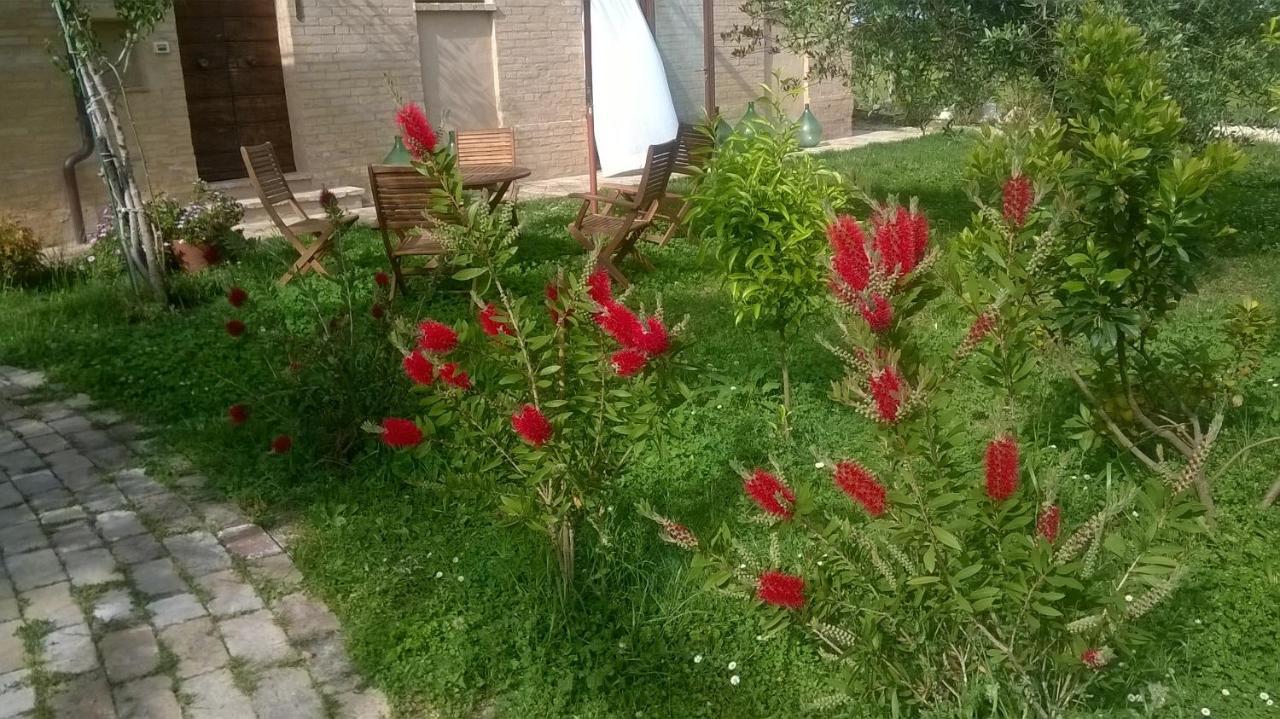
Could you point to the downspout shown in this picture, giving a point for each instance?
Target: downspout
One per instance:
(69, 180)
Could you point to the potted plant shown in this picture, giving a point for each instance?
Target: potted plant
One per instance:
(201, 232)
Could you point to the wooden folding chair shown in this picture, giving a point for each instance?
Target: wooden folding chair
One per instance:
(621, 217)
(693, 150)
(489, 147)
(273, 190)
(400, 196)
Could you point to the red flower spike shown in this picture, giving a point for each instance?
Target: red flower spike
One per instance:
(862, 487)
(1002, 468)
(878, 313)
(282, 444)
(454, 377)
(437, 337)
(531, 425)
(654, 340)
(235, 328)
(378, 311)
(782, 590)
(628, 362)
(1018, 196)
(490, 326)
(886, 392)
(678, 534)
(1048, 523)
(600, 287)
(849, 261)
(382, 279)
(621, 324)
(1096, 658)
(773, 496)
(237, 414)
(901, 238)
(237, 296)
(399, 433)
(419, 368)
(416, 131)
(328, 200)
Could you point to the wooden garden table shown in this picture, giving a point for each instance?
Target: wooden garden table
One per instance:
(496, 179)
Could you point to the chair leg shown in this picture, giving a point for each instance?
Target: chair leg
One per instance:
(308, 261)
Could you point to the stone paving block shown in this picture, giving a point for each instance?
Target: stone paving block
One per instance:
(71, 425)
(175, 610)
(16, 513)
(286, 693)
(9, 608)
(330, 664)
(304, 618)
(74, 537)
(114, 607)
(51, 410)
(135, 483)
(157, 578)
(130, 653)
(48, 444)
(17, 695)
(51, 500)
(16, 539)
(29, 427)
(150, 698)
(101, 498)
(286, 535)
(215, 696)
(249, 541)
(197, 646)
(119, 524)
(220, 515)
(139, 548)
(229, 594)
(168, 511)
(20, 461)
(109, 458)
(53, 603)
(90, 439)
(55, 517)
(33, 483)
(11, 652)
(10, 442)
(367, 704)
(84, 697)
(9, 495)
(277, 571)
(92, 566)
(78, 478)
(34, 569)
(70, 650)
(198, 553)
(256, 638)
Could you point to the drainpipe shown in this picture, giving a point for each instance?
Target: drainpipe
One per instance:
(69, 180)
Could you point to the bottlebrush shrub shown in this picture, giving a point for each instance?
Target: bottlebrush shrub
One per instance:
(546, 398)
(942, 571)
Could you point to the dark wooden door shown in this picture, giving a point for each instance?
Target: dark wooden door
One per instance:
(235, 87)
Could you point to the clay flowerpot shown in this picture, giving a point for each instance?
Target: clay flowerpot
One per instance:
(195, 257)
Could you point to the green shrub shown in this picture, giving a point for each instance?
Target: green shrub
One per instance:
(207, 220)
(21, 261)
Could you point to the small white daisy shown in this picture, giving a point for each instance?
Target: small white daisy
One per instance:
(1226, 692)
(733, 388)
(697, 659)
(1198, 621)
(1270, 702)
(1204, 711)
(461, 578)
(1264, 696)
(735, 679)
(733, 665)
(818, 465)
(1134, 697)
(439, 574)
(455, 560)
(1128, 597)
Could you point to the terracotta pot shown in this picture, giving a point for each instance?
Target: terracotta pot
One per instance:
(195, 257)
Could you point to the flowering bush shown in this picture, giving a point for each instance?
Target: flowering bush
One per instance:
(943, 570)
(20, 259)
(207, 220)
(544, 399)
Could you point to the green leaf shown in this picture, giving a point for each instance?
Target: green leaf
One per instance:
(469, 274)
(947, 538)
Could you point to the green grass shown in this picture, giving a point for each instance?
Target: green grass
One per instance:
(490, 632)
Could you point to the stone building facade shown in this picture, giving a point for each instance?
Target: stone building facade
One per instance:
(511, 63)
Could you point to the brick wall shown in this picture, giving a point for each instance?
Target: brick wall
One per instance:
(38, 127)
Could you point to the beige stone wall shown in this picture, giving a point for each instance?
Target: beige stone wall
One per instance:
(336, 59)
(38, 126)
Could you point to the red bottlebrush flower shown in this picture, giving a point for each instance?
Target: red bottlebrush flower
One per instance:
(1002, 468)
(901, 238)
(378, 311)
(419, 368)
(678, 534)
(878, 313)
(328, 200)
(400, 433)
(237, 414)
(553, 296)
(600, 287)
(531, 425)
(382, 279)
(1096, 657)
(849, 261)
(1018, 195)
(887, 393)
(773, 496)
(416, 131)
(862, 487)
(654, 340)
(981, 327)
(628, 362)
(1049, 521)
(437, 337)
(237, 296)
(282, 444)
(454, 377)
(621, 324)
(490, 326)
(211, 254)
(235, 328)
(782, 590)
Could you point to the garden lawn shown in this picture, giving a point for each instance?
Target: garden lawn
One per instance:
(446, 610)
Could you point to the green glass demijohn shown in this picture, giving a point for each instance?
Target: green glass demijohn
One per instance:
(723, 129)
(398, 154)
(809, 133)
(746, 126)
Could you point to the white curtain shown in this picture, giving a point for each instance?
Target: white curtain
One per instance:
(633, 107)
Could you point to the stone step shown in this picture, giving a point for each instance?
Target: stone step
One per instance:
(349, 199)
(367, 217)
(242, 189)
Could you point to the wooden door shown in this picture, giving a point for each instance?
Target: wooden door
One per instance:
(235, 87)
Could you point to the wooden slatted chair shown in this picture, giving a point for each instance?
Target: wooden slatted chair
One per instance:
(273, 190)
(619, 218)
(400, 196)
(489, 147)
(693, 148)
